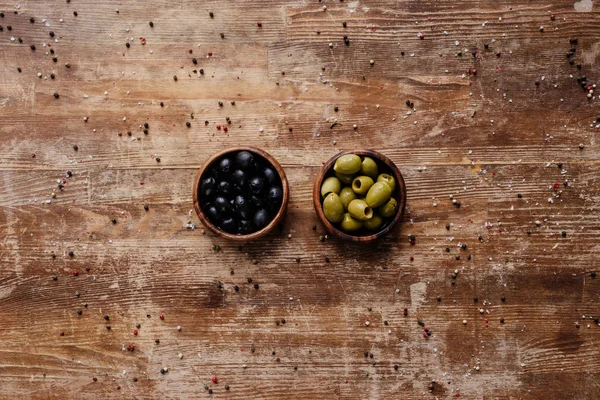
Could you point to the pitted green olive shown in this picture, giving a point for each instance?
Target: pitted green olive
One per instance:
(331, 185)
(389, 179)
(350, 224)
(345, 179)
(333, 208)
(362, 184)
(379, 193)
(347, 195)
(360, 210)
(369, 167)
(389, 209)
(374, 223)
(347, 164)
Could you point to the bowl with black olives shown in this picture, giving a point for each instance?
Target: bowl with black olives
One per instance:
(359, 195)
(241, 193)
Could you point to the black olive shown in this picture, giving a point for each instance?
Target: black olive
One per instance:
(228, 225)
(213, 214)
(274, 196)
(225, 188)
(261, 219)
(270, 175)
(239, 178)
(207, 187)
(256, 184)
(241, 206)
(224, 165)
(244, 159)
(222, 205)
(256, 201)
(244, 227)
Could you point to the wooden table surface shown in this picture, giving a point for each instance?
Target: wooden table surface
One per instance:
(500, 122)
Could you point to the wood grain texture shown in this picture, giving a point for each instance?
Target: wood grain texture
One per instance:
(484, 138)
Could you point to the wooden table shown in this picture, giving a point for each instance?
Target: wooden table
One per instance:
(500, 123)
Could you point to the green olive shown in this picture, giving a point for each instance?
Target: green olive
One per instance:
(347, 164)
(347, 195)
(389, 179)
(374, 223)
(346, 179)
(369, 167)
(378, 194)
(389, 209)
(360, 210)
(350, 224)
(331, 185)
(333, 208)
(362, 184)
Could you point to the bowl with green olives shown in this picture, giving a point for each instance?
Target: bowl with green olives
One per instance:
(359, 195)
(241, 193)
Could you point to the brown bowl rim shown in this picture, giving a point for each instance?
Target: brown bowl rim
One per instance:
(400, 195)
(274, 222)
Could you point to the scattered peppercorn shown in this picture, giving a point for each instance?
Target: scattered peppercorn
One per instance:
(75, 13)
(151, 24)
(32, 47)
(211, 14)
(127, 45)
(51, 33)
(175, 78)
(188, 124)
(56, 95)
(222, 35)
(32, 20)
(19, 69)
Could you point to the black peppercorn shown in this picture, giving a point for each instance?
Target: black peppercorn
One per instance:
(211, 14)
(51, 33)
(396, 366)
(175, 78)
(106, 317)
(75, 147)
(344, 24)
(55, 59)
(32, 47)
(256, 286)
(20, 40)
(146, 208)
(151, 24)
(593, 274)
(1, 15)
(79, 311)
(114, 221)
(564, 234)
(108, 327)
(56, 95)
(335, 108)
(188, 124)
(503, 299)
(9, 27)
(127, 44)
(75, 13)
(162, 104)
(475, 299)
(19, 69)
(194, 61)
(157, 159)
(236, 288)
(201, 71)
(52, 76)
(145, 131)
(71, 254)
(501, 320)
(157, 341)
(32, 20)
(146, 125)
(222, 35)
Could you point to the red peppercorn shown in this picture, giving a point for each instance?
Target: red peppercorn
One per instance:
(62, 334)
(469, 71)
(162, 316)
(210, 53)
(131, 347)
(75, 272)
(225, 128)
(218, 127)
(474, 71)
(412, 258)
(214, 379)
(118, 387)
(552, 17)
(421, 36)
(135, 332)
(259, 24)
(95, 379)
